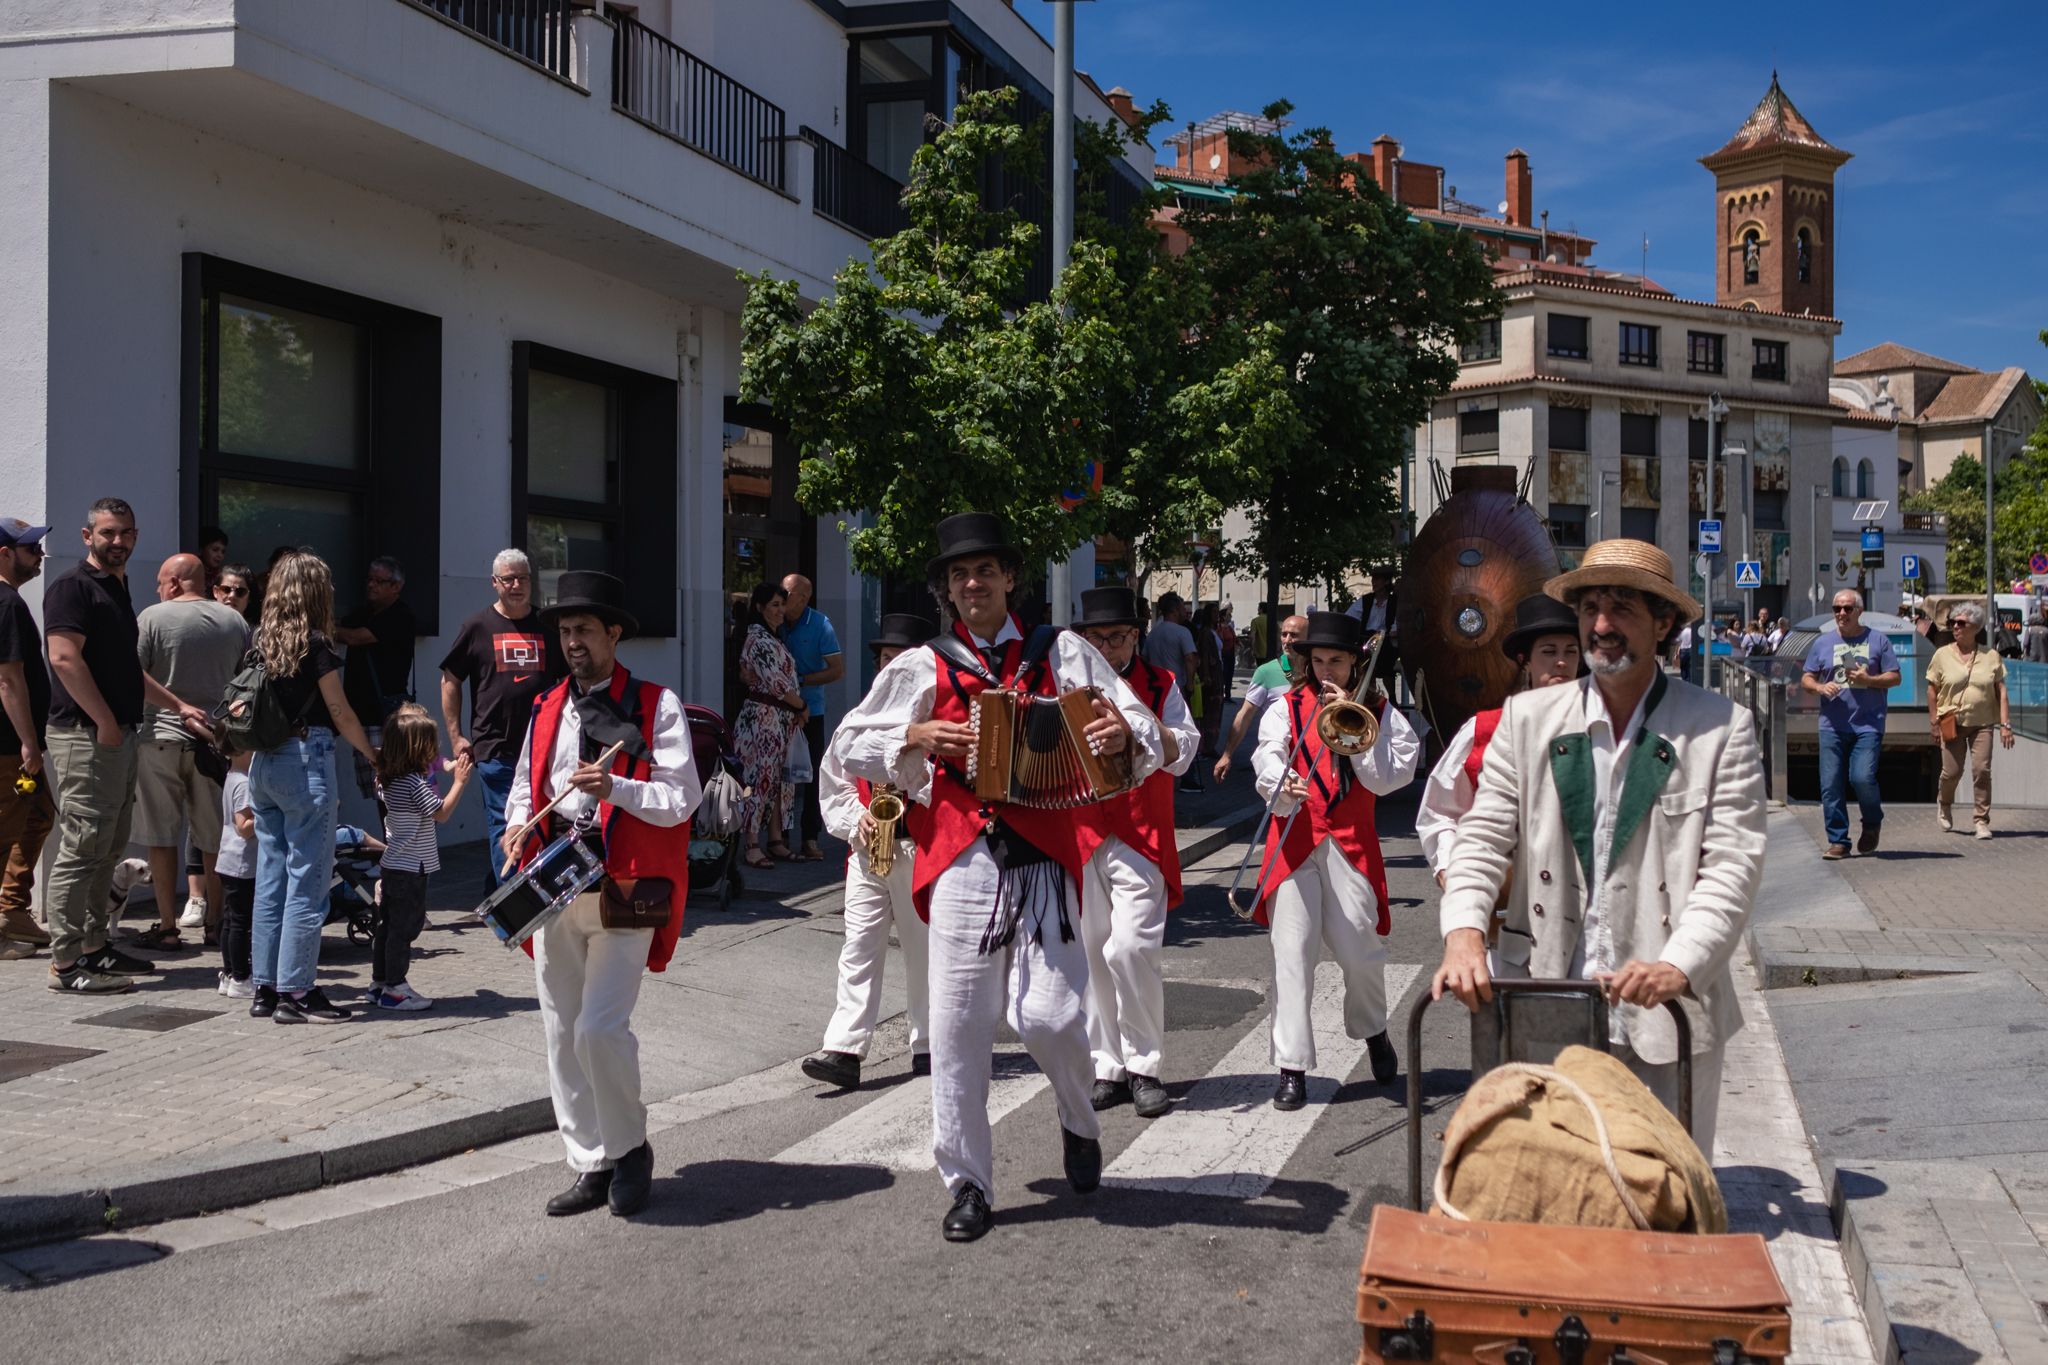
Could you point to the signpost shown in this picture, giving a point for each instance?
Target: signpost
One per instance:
(1873, 547)
(2037, 564)
(1909, 567)
(1710, 537)
(1749, 573)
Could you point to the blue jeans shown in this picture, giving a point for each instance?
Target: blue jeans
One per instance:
(1848, 754)
(495, 777)
(292, 791)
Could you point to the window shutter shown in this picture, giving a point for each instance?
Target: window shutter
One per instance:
(405, 457)
(647, 489)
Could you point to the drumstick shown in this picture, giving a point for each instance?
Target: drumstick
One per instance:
(603, 760)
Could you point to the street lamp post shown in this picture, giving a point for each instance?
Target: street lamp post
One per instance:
(1059, 579)
(1717, 412)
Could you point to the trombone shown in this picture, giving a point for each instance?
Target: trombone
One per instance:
(1345, 727)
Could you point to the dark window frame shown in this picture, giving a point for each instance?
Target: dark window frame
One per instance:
(1639, 523)
(1571, 532)
(1550, 343)
(642, 511)
(1584, 421)
(1634, 421)
(397, 479)
(1706, 352)
(1476, 442)
(1638, 344)
(1776, 369)
(1485, 347)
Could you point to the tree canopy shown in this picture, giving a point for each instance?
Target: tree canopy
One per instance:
(2019, 509)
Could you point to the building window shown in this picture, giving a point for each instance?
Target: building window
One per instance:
(1841, 479)
(312, 417)
(1704, 352)
(893, 89)
(1770, 361)
(1768, 507)
(1638, 345)
(594, 476)
(1696, 438)
(1638, 434)
(1639, 523)
(1568, 428)
(1568, 336)
(1752, 256)
(1866, 475)
(1479, 432)
(1486, 346)
(1568, 524)
(1805, 245)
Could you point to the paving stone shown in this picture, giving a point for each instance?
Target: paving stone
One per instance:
(88, 1256)
(196, 1234)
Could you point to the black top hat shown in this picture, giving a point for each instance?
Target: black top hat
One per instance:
(1332, 630)
(901, 630)
(1108, 607)
(970, 533)
(599, 594)
(1540, 614)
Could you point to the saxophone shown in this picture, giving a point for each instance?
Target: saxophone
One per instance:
(885, 808)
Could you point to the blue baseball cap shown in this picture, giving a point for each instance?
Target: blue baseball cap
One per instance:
(14, 531)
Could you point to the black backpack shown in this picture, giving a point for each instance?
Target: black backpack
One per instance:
(250, 718)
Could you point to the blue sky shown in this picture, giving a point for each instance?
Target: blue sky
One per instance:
(1941, 219)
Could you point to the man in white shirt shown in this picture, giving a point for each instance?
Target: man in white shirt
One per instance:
(588, 960)
(1630, 807)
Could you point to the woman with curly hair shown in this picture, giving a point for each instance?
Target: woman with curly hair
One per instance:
(292, 791)
(772, 713)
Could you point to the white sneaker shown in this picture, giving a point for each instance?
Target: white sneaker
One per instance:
(1983, 831)
(1942, 818)
(195, 913)
(220, 982)
(244, 989)
(402, 997)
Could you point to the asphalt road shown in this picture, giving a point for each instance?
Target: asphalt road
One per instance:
(1234, 1236)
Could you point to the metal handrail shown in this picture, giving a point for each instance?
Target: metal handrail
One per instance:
(852, 193)
(537, 31)
(675, 92)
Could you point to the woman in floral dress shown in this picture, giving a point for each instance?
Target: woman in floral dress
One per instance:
(772, 712)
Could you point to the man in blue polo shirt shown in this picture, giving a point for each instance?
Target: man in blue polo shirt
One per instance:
(1850, 668)
(808, 635)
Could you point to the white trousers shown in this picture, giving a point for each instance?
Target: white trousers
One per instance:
(1706, 1088)
(1325, 901)
(589, 979)
(873, 904)
(1123, 925)
(1037, 988)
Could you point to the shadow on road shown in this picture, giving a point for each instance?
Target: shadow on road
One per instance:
(711, 1192)
(1304, 1206)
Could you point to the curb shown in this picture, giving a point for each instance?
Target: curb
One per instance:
(1862, 1274)
(1781, 968)
(1208, 840)
(258, 1171)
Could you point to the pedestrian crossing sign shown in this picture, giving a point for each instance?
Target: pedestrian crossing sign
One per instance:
(1749, 573)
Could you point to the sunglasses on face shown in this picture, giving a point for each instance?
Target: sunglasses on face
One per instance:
(509, 580)
(1843, 611)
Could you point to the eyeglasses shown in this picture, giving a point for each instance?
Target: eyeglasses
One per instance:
(235, 592)
(377, 582)
(508, 580)
(1839, 611)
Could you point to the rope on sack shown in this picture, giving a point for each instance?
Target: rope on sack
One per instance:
(1548, 1076)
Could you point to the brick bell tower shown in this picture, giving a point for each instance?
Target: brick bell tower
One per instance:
(1774, 200)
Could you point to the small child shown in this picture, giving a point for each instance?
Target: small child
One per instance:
(412, 807)
(236, 864)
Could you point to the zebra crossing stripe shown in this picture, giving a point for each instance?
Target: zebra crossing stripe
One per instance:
(1224, 1137)
(895, 1131)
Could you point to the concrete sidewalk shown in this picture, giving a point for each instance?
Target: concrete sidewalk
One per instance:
(1907, 988)
(170, 1100)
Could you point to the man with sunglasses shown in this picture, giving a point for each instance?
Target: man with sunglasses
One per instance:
(508, 658)
(26, 817)
(1850, 668)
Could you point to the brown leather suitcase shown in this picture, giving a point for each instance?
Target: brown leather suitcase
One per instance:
(1520, 1294)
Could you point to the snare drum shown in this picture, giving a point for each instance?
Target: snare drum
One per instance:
(559, 873)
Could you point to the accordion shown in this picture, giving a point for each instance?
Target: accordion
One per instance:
(1030, 751)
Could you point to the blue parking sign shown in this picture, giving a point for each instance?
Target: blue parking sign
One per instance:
(1909, 566)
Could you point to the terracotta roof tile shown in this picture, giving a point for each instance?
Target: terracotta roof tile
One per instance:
(1849, 412)
(1532, 274)
(1889, 355)
(1973, 397)
(1774, 123)
(1551, 379)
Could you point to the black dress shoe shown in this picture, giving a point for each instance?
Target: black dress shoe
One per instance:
(264, 1004)
(920, 1063)
(970, 1215)
(834, 1068)
(1109, 1094)
(1386, 1063)
(1084, 1162)
(586, 1194)
(632, 1181)
(1149, 1096)
(1293, 1091)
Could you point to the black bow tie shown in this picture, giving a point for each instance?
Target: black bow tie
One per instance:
(605, 723)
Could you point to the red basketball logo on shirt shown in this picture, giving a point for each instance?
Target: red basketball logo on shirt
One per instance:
(519, 653)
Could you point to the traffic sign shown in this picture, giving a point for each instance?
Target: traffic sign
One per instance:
(1909, 567)
(2038, 564)
(1710, 537)
(1873, 538)
(1749, 573)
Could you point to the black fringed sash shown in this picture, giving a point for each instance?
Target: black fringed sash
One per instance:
(1025, 874)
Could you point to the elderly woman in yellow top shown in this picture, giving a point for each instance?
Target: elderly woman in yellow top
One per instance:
(1966, 703)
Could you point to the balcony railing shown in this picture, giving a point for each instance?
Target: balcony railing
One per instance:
(536, 30)
(673, 92)
(852, 193)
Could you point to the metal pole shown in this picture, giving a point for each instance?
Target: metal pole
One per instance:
(1813, 535)
(1707, 578)
(1990, 573)
(1060, 580)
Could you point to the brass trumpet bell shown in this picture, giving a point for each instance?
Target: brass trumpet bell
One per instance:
(1347, 727)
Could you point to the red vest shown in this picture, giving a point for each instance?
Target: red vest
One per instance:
(632, 847)
(1348, 820)
(1143, 818)
(1483, 726)
(957, 816)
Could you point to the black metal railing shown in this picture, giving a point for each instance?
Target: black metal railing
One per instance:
(852, 193)
(537, 30)
(674, 92)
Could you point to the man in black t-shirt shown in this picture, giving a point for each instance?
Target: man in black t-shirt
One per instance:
(507, 658)
(25, 817)
(378, 673)
(96, 695)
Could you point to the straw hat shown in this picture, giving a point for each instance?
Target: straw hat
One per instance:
(1626, 564)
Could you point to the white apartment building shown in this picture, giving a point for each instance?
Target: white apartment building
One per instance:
(432, 277)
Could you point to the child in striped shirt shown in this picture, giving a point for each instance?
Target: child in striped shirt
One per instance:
(412, 807)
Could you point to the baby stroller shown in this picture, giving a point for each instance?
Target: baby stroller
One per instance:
(352, 893)
(714, 854)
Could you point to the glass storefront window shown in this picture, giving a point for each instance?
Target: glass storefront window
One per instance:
(892, 61)
(571, 445)
(895, 132)
(291, 385)
(558, 543)
(259, 517)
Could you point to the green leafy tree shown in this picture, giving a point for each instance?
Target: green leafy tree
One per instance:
(1365, 308)
(923, 386)
(2019, 511)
